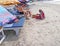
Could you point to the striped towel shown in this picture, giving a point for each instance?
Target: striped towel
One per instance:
(5, 16)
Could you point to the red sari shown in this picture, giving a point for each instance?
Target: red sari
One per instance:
(40, 16)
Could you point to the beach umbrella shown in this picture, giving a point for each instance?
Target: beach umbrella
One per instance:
(8, 2)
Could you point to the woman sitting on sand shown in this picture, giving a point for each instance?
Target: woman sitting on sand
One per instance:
(41, 15)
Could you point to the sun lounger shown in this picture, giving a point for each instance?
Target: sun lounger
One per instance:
(15, 26)
(5, 17)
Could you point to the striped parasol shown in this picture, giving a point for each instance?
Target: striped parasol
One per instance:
(9, 2)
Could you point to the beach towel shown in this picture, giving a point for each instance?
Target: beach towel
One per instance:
(5, 16)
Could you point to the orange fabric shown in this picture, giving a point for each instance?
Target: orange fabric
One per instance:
(9, 2)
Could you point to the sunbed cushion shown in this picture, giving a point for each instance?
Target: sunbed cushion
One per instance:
(5, 16)
(18, 24)
(14, 11)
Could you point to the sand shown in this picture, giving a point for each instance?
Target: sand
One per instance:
(38, 32)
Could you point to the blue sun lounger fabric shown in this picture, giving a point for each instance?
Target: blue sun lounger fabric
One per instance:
(14, 25)
(5, 16)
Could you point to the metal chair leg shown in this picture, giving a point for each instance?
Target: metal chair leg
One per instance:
(16, 31)
(3, 36)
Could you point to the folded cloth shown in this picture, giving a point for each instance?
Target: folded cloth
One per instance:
(22, 1)
(11, 21)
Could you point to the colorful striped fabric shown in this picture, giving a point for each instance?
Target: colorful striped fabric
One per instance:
(5, 16)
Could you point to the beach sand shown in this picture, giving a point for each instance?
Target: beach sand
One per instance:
(38, 32)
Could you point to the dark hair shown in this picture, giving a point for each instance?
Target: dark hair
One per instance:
(40, 10)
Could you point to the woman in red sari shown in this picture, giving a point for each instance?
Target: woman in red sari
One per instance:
(41, 15)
